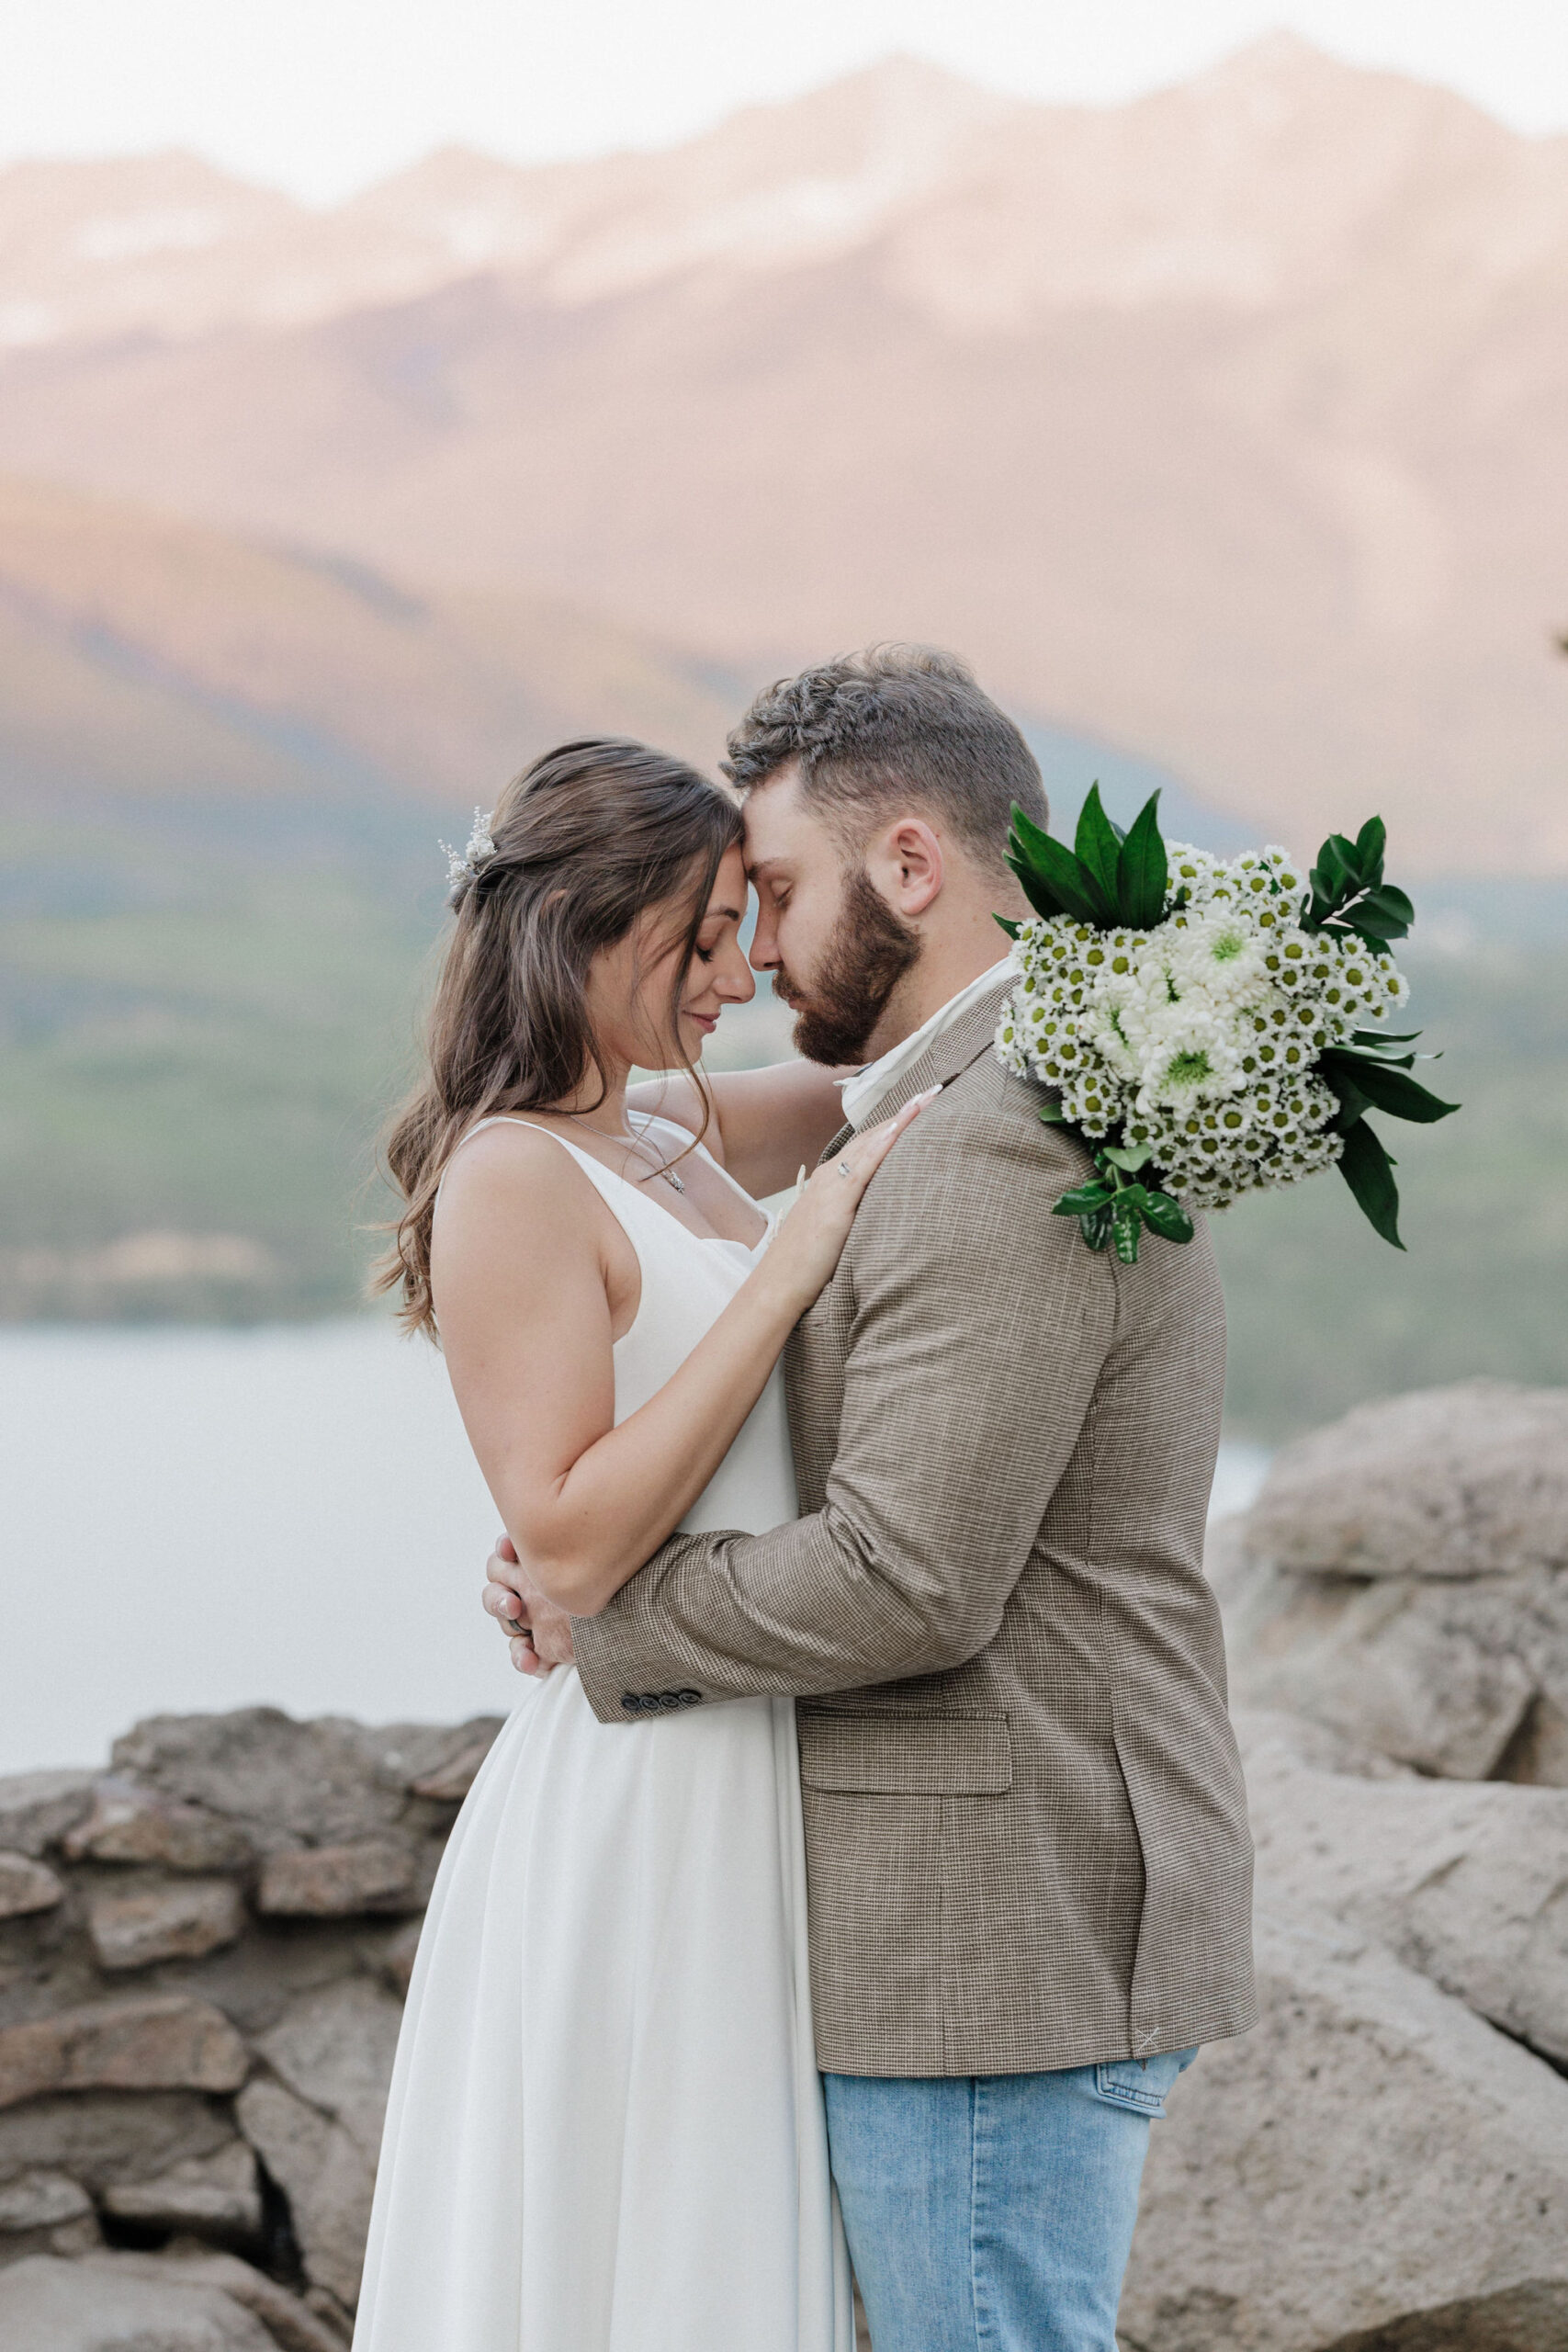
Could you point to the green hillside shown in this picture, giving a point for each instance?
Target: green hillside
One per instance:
(198, 1035)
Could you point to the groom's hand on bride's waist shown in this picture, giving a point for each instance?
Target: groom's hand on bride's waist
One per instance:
(538, 1634)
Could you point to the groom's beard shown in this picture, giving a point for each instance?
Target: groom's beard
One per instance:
(869, 953)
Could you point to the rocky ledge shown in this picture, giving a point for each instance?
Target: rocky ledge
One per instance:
(1383, 2164)
(203, 1955)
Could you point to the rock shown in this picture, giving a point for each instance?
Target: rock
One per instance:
(1404, 1667)
(38, 1808)
(47, 2305)
(335, 2048)
(1538, 1753)
(128, 1824)
(396, 1958)
(326, 2176)
(165, 1922)
(1371, 2167)
(1469, 1884)
(1404, 1579)
(331, 1782)
(165, 2041)
(35, 2200)
(27, 1886)
(334, 1882)
(287, 2319)
(99, 2137)
(450, 1784)
(216, 2196)
(1467, 1481)
(46, 2212)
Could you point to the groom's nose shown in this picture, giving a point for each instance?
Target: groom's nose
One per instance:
(764, 953)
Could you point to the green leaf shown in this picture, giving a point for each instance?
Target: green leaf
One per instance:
(1143, 870)
(1041, 897)
(1008, 924)
(1096, 1229)
(1332, 879)
(1132, 1157)
(1099, 846)
(1124, 1233)
(1370, 843)
(1084, 1200)
(1167, 1217)
(1379, 916)
(1368, 1170)
(1383, 1036)
(1076, 892)
(1129, 1201)
(1050, 1114)
(1386, 1089)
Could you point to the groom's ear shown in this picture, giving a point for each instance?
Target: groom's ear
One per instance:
(905, 861)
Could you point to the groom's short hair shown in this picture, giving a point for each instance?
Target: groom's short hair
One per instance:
(894, 723)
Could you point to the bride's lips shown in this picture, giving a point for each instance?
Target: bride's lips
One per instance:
(706, 1022)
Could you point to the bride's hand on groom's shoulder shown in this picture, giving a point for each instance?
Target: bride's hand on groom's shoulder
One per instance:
(810, 1241)
(538, 1635)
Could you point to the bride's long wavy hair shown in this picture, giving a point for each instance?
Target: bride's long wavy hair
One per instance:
(589, 838)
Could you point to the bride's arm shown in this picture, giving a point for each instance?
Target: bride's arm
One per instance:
(764, 1124)
(523, 1268)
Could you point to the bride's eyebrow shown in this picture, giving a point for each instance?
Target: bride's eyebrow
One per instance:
(725, 914)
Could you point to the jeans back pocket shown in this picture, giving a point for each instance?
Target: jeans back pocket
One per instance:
(1141, 2083)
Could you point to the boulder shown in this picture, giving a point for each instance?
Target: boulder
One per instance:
(330, 1782)
(336, 1881)
(27, 1886)
(1460, 1482)
(129, 1824)
(35, 2200)
(47, 2305)
(326, 2176)
(166, 2042)
(289, 2323)
(216, 2196)
(181, 1922)
(45, 2212)
(1403, 1578)
(396, 1958)
(100, 2137)
(1467, 1883)
(450, 1784)
(38, 1808)
(335, 2048)
(1371, 2167)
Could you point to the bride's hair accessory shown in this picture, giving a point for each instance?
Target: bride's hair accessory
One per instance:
(462, 870)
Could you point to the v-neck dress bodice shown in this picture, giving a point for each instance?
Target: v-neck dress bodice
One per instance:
(606, 2129)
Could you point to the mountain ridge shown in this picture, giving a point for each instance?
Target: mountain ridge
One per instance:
(1227, 425)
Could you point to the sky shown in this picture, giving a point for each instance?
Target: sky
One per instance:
(321, 96)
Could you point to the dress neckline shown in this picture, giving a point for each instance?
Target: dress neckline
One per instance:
(648, 1118)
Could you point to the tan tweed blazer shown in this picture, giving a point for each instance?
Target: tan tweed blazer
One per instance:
(1025, 1824)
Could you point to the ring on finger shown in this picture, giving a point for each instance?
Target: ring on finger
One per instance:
(844, 1167)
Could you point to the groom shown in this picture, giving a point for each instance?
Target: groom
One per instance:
(1026, 1835)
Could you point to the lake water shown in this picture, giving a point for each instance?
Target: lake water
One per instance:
(194, 1520)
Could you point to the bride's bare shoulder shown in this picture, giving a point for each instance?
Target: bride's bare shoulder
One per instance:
(516, 1174)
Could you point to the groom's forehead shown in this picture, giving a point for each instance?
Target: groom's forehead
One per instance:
(780, 822)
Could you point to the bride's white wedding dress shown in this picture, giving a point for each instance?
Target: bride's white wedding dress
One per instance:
(605, 2129)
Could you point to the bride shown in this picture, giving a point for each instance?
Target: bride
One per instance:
(605, 2128)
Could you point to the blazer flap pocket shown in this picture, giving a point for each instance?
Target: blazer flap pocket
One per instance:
(956, 1755)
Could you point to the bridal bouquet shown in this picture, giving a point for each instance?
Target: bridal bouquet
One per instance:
(1209, 1025)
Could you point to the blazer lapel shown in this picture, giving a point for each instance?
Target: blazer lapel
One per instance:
(943, 1058)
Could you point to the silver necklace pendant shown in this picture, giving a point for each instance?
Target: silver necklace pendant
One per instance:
(670, 1178)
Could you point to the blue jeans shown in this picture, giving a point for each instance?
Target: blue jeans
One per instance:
(993, 2212)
